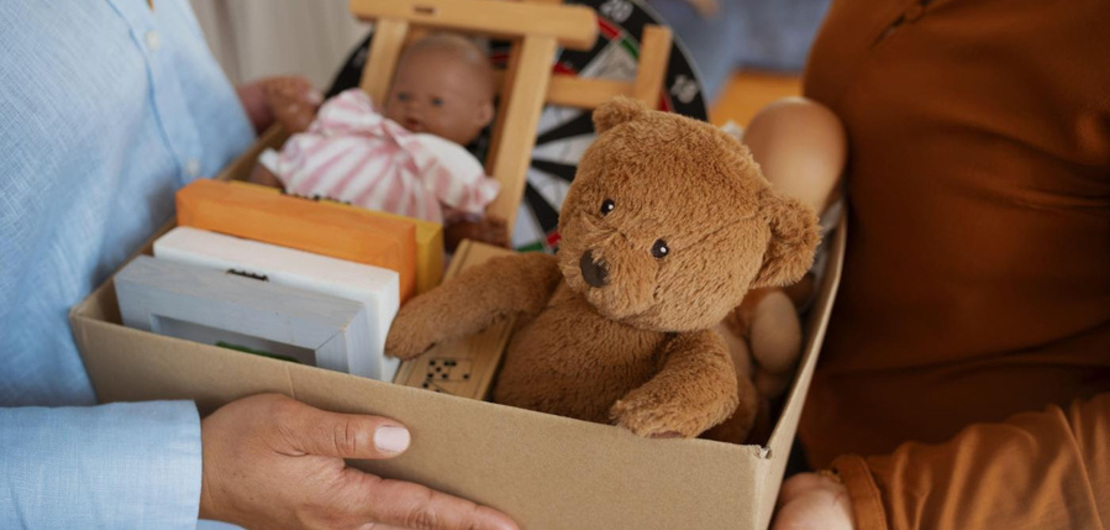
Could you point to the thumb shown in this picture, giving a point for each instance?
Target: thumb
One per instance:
(318, 432)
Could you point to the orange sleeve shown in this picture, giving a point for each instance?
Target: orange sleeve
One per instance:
(1036, 470)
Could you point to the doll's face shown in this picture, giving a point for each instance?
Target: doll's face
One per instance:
(435, 92)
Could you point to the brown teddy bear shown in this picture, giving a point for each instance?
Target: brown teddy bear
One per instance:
(666, 227)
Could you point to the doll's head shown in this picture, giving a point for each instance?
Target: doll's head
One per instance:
(443, 86)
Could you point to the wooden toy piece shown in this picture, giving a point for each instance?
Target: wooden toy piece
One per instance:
(464, 367)
(429, 248)
(514, 132)
(241, 312)
(429, 239)
(373, 287)
(536, 28)
(447, 375)
(253, 212)
(385, 50)
(572, 91)
(652, 66)
(573, 27)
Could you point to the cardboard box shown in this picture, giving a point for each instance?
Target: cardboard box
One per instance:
(547, 472)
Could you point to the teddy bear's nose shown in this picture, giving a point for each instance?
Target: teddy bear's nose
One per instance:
(593, 271)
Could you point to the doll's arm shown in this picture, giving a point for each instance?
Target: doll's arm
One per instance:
(801, 147)
(695, 390)
(774, 334)
(470, 302)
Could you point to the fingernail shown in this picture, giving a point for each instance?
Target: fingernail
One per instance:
(392, 439)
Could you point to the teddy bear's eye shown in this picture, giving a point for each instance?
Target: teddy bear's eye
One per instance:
(660, 249)
(607, 206)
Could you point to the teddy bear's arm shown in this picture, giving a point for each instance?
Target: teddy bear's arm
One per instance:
(695, 390)
(472, 301)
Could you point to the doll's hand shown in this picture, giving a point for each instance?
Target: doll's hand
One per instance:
(293, 101)
(257, 100)
(489, 229)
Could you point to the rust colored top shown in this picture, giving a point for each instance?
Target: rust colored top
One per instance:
(977, 278)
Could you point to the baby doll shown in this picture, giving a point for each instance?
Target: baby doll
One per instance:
(405, 156)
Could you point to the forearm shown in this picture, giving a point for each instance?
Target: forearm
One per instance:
(126, 465)
(1036, 470)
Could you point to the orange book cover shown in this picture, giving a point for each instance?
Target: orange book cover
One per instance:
(429, 238)
(256, 212)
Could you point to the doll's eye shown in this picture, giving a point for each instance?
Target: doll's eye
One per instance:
(437, 102)
(660, 249)
(403, 96)
(607, 206)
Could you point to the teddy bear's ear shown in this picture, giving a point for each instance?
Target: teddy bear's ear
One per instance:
(616, 111)
(794, 238)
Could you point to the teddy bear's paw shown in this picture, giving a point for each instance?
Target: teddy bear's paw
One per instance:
(408, 338)
(652, 418)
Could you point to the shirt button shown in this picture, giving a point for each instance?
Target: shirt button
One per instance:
(192, 168)
(153, 40)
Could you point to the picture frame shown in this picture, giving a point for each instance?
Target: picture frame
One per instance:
(241, 312)
(374, 287)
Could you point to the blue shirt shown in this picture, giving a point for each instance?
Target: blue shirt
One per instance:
(106, 109)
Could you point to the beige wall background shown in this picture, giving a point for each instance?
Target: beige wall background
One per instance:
(259, 38)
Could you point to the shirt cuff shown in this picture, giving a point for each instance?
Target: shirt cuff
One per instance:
(122, 465)
(864, 494)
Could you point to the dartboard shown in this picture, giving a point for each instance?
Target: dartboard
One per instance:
(564, 132)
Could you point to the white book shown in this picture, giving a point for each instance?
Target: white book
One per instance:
(375, 287)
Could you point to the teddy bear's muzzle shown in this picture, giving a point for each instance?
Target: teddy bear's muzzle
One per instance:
(593, 271)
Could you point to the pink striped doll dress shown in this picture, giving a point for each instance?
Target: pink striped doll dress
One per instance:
(352, 153)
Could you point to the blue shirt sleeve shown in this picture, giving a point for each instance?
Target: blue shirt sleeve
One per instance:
(108, 108)
(123, 465)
